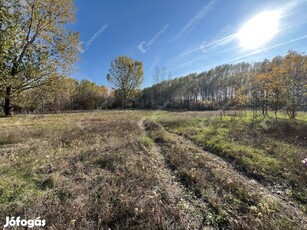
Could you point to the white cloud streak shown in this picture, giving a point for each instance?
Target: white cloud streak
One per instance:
(239, 58)
(212, 45)
(201, 14)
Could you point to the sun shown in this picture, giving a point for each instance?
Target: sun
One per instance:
(259, 30)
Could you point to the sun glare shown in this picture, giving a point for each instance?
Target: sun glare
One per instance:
(259, 30)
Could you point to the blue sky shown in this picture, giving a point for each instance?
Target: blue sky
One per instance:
(181, 36)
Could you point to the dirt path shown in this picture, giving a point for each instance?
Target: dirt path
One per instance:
(229, 173)
(191, 207)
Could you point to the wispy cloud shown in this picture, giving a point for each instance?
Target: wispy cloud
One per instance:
(211, 45)
(225, 48)
(240, 58)
(218, 41)
(198, 17)
(236, 58)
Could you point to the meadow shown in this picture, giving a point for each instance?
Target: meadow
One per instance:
(155, 170)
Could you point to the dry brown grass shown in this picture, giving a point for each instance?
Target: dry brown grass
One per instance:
(233, 200)
(104, 171)
(98, 177)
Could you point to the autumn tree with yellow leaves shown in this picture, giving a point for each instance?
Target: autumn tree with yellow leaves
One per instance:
(36, 46)
(282, 85)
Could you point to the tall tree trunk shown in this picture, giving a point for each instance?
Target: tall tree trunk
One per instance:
(7, 102)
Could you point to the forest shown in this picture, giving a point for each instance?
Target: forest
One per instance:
(271, 85)
(277, 84)
(38, 54)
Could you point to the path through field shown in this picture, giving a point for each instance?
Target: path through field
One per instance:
(224, 171)
(122, 170)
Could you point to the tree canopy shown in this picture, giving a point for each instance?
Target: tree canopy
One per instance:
(36, 46)
(279, 84)
(127, 76)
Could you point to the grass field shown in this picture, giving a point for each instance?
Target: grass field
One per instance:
(154, 170)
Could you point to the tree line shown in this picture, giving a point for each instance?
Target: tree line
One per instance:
(270, 85)
(65, 94)
(277, 84)
(38, 50)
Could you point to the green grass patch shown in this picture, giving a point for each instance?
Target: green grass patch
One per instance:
(269, 152)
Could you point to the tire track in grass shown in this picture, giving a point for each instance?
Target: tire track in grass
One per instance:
(191, 208)
(265, 189)
(291, 214)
